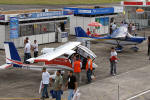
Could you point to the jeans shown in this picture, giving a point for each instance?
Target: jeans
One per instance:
(71, 93)
(26, 57)
(35, 53)
(112, 67)
(45, 93)
(148, 51)
(89, 73)
(58, 95)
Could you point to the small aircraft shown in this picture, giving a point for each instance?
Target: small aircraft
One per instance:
(53, 58)
(119, 37)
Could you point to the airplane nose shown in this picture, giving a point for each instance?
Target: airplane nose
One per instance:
(31, 60)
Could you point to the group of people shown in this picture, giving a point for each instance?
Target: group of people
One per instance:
(73, 79)
(28, 47)
(77, 65)
(131, 27)
(47, 80)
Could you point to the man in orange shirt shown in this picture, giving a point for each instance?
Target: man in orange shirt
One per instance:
(77, 65)
(89, 69)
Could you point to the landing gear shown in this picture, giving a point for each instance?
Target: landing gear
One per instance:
(119, 48)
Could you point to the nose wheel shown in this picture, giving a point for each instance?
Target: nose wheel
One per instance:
(119, 48)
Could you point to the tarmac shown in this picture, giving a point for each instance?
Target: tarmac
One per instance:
(119, 87)
(132, 76)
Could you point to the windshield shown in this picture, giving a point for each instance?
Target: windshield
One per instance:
(120, 32)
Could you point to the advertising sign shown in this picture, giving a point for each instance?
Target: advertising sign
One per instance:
(41, 15)
(2, 17)
(103, 11)
(14, 25)
(118, 9)
(64, 34)
(95, 11)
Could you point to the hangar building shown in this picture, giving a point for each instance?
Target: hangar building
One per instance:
(44, 25)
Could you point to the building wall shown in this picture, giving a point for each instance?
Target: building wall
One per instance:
(2, 35)
(79, 21)
(41, 39)
(44, 34)
(83, 22)
(19, 42)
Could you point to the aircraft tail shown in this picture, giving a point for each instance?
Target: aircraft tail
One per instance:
(80, 32)
(11, 53)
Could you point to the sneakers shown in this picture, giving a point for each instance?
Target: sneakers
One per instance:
(47, 97)
(42, 98)
(114, 74)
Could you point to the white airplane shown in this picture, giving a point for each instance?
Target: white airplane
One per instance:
(52, 57)
(120, 37)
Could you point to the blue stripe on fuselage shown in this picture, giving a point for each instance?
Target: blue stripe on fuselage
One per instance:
(129, 39)
(136, 39)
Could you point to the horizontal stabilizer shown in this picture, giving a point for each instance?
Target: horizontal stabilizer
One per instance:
(5, 66)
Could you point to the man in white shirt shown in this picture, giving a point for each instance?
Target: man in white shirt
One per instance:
(45, 81)
(26, 39)
(35, 48)
(27, 52)
(133, 29)
(114, 26)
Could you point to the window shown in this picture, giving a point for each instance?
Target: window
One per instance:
(35, 29)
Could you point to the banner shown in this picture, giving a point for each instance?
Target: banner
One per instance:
(40, 15)
(89, 11)
(2, 17)
(14, 25)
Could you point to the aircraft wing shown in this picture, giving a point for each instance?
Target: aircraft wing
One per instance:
(56, 52)
(38, 67)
